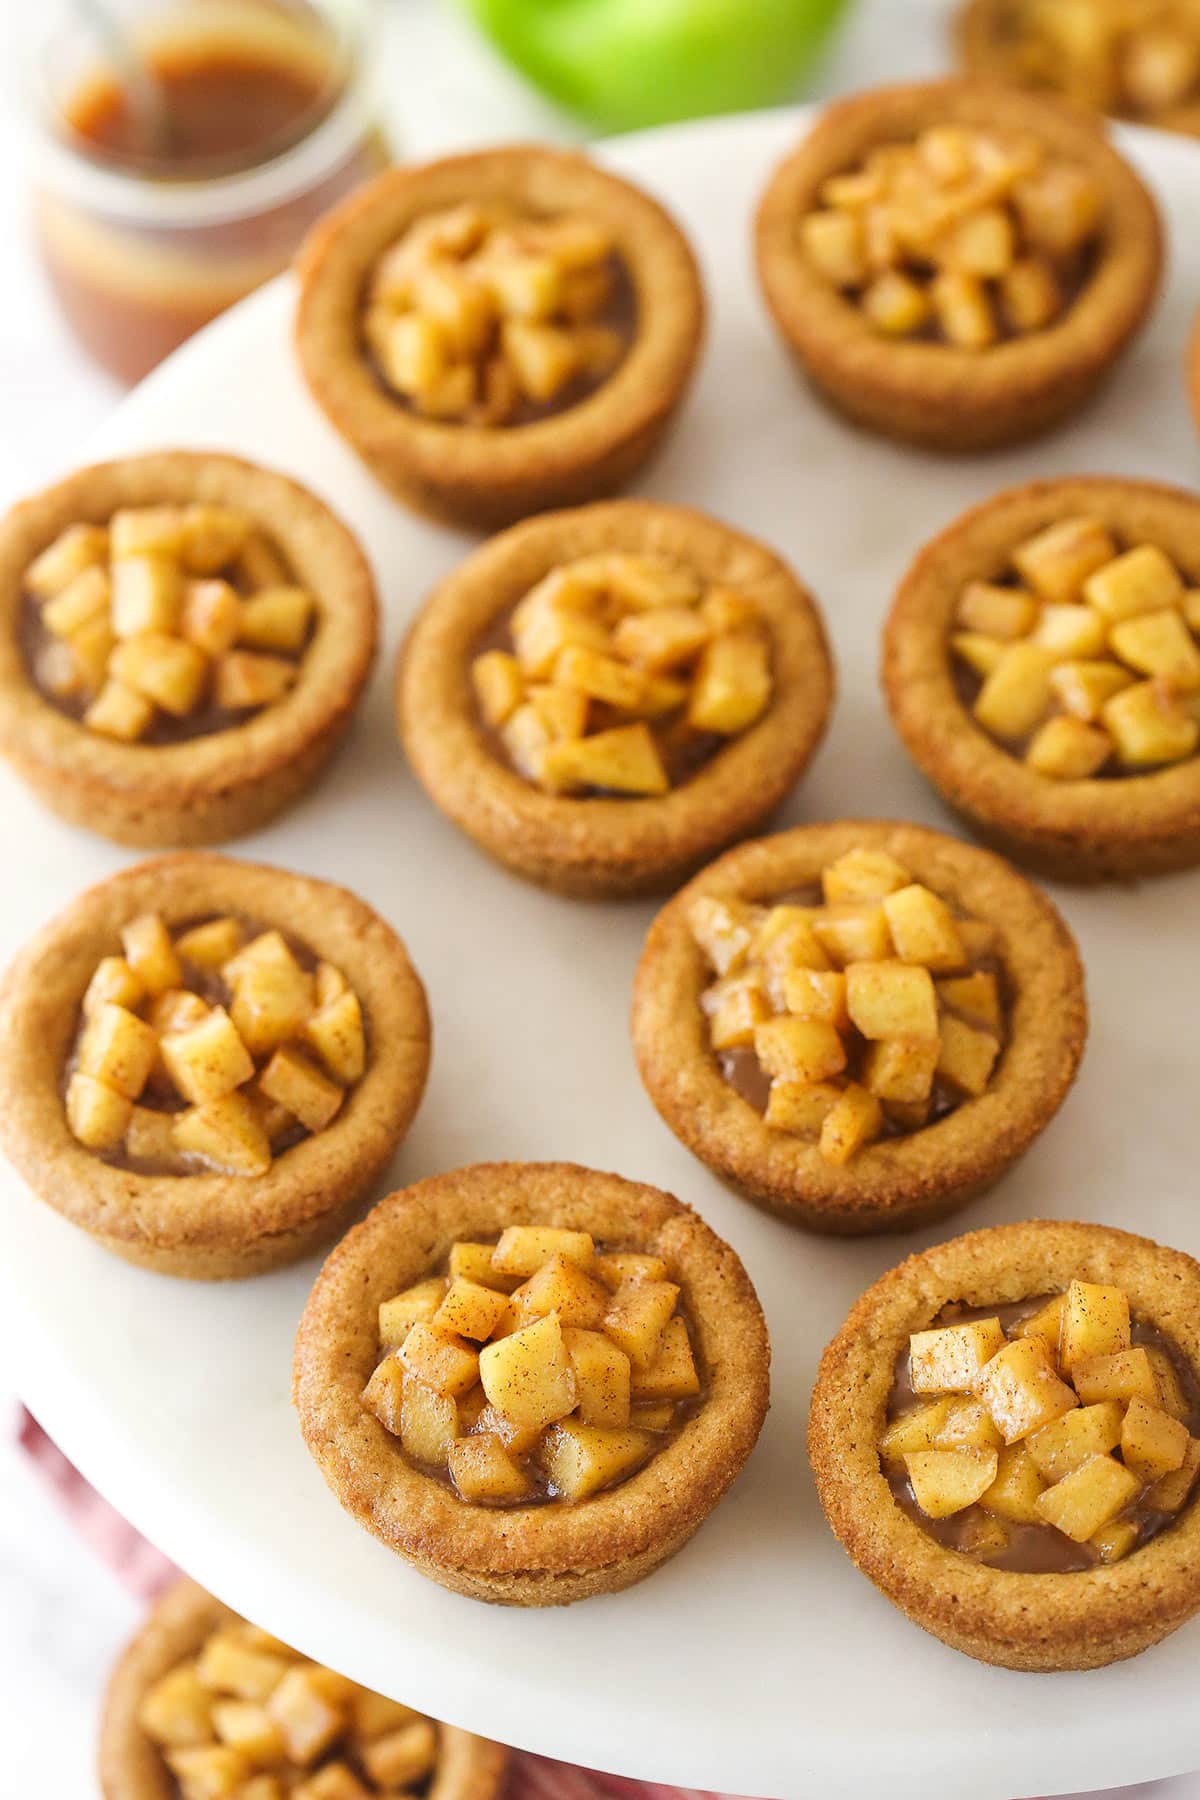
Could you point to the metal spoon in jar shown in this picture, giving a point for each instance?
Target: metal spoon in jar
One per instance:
(148, 108)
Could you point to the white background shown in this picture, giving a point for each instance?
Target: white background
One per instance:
(61, 1615)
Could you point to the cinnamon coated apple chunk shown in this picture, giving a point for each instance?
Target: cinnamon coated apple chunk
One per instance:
(1052, 1434)
(535, 1369)
(212, 1045)
(622, 674)
(864, 1008)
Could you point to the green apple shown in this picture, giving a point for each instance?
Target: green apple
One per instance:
(629, 63)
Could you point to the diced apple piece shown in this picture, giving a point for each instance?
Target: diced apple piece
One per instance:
(384, 1396)
(817, 994)
(118, 1049)
(1084, 688)
(622, 761)
(561, 1286)
(524, 1248)
(1089, 1498)
(900, 1068)
(115, 983)
(1114, 1541)
(581, 1459)
(308, 1720)
(336, 1033)
(247, 1727)
(483, 1471)
(416, 1305)
(1143, 580)
(661, 638)
(81, 603)
(272, 1003)
(1095, 1322)
(150, 1136)
(947, 1481)
(118, 712)
(924, 930)
(1065, 749)
(1152, 1443)
(947, 1359)
(637, 1316)
(1059, 207)
(1158, 643)
(964, 309)
(853, 1121)
(162, 668)
(226, 1133)
(499, 685)
(403, 1757)
(473, 1262)
(629, 1265)
(1045, 1323)
(916, 1429)
(334, 1781)
(1124, 1375)
(602, 1376)
(673, 1374)
(151, 954)
(519, 1439)
(997, 612)
(863, 875)
(210, 616)
(891, 1000)
(1014, 1493)
(528, 1376)
(562, 710)
(1071, 631)
(793, 1049)
(208, 1060)
(1014, 698)
(471, 1311)
(1170, 1492)
(443, 1361)
(784, 942)
(1021, 1389)
(209, 1772)
(652, 1415)
(976, 995)
(276, 618)
(736, 1007)
(373, 1715)
(1088, 1431)
(982, 654)
(147, 593)
(210, 946)
(967, 1425)
(176, 1711)
(854, 933)
(227, 1665)
(732, 684)
(600, 677)
(966, 1057)
(176, 1010)
(801, 1106)
(1149, 724)
(724, 930)
(210, 537)
(544, 358)
(77, 548)
(250, 678)
(983, 1536)
(833, 242)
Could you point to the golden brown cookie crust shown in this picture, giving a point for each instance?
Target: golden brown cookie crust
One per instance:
(207, 789)
(480, 476)
(542, 1555)
(131, 1767)
(609, 846)
(935, 394)
(1082, 1620)
(896, 1183)
(1071, 830)
(209, 1226)
(985, 48)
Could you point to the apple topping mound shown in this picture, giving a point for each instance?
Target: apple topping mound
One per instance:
(167, 623)
(247, 1718)
(622, 674)
(1052, 1435)
(538, 1368)
(866, 1009)
(1085, 659)
(215, 1047)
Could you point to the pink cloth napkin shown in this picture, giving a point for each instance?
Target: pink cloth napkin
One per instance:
(146, 1572)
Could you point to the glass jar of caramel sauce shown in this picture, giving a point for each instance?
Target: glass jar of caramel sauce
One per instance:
(171, 183)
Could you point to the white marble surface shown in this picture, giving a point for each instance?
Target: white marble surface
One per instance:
(62, 1615)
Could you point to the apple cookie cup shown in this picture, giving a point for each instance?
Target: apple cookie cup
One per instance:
(1033, 1469)
(183, 639)
(601, 1305)
(207, 1063)
(859, 1026)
